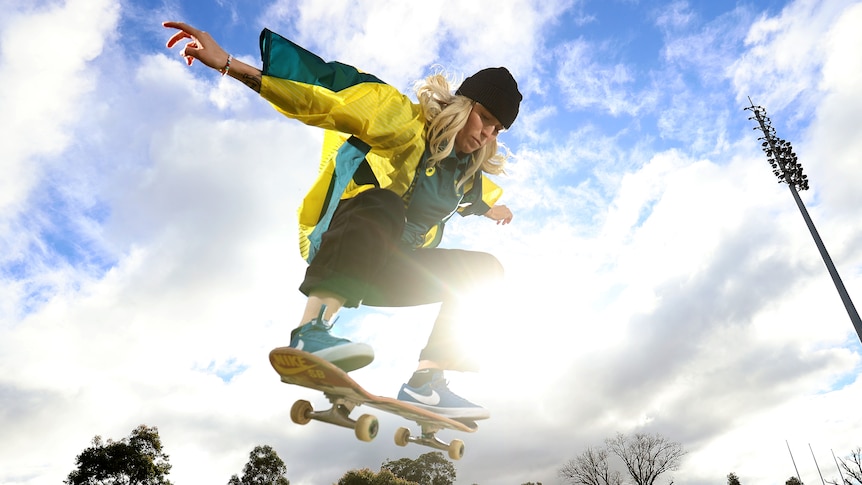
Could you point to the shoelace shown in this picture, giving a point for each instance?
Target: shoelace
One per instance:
(321, 323)
(439, 383)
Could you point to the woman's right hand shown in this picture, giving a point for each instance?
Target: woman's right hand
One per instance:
(500, 213)
(201, 46)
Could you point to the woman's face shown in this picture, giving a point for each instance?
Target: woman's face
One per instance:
(481, 128)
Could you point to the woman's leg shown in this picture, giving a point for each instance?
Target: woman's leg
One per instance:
(437, 275)
(452, 277)
(360, 238)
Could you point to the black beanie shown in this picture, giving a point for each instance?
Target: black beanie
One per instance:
(497, 90)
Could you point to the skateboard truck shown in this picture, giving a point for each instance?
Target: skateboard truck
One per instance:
(365, 428)
(455, 448)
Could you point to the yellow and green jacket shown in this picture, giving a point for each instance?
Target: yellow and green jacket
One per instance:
(374, 136)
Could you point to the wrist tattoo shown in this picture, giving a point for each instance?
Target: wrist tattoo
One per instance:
(251, 80)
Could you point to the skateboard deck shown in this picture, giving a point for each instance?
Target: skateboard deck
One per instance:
(303, 369)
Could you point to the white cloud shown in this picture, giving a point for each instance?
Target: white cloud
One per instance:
(675, 289)
(43, 86)
(587, 83)
(463, 37)
(830, 151)
(784, 56)
(677, 14)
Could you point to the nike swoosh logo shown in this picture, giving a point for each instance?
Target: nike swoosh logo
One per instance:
(432, 399)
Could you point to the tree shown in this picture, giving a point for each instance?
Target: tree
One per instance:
(854, 468)
(646, 456)
(429, 469)
(591, 468)
(264, 467)
(732, 479)
(368, 477)
(137, 460)
(793, 481)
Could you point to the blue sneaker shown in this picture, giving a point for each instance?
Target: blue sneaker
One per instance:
(436, 397)
(314, 337)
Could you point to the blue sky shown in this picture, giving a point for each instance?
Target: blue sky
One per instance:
(658, 278)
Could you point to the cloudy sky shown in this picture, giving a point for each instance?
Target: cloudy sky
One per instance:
(659, 279)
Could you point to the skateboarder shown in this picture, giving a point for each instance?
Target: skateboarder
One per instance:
(392, 174)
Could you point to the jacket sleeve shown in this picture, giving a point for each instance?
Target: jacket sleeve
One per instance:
(480, 197)
(334, 96)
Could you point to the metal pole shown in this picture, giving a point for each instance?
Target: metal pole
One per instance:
(787, 169)
(815, 464)
(838, 467)
(836, 278)
(794, 462)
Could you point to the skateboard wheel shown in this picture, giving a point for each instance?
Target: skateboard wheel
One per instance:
(366, 427)
(456, 449)
(402, 436)
(300, 412)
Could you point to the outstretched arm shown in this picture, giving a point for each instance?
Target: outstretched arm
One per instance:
(203, 47)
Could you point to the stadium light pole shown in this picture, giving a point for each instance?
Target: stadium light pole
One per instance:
(787, 168)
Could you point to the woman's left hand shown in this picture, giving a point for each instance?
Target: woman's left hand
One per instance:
(200, 45)
(500, 213)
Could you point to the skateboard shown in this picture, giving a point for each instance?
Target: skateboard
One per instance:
(303, 369)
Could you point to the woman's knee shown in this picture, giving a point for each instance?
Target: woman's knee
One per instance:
(493, 266)
(477, 265)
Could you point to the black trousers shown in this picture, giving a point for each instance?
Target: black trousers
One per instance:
(361, 259)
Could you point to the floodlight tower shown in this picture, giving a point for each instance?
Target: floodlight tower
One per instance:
(787, 168)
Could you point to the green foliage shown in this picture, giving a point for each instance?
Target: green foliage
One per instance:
(368, 477)
(732, 479)
(264, 467)
(137, 459)
(429, 469)
(793, 481)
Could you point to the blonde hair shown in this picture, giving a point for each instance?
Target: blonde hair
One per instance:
(445, 115)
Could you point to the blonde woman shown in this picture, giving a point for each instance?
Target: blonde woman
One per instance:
(392, 173)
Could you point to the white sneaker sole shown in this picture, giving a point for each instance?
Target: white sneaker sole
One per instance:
(348, 357)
